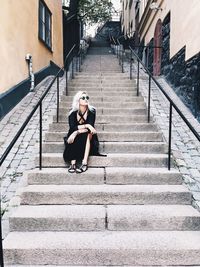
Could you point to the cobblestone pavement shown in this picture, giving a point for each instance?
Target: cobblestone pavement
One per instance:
(185, 146)
(22, 156)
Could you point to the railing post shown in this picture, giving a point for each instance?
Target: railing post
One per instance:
(138, 77)
(58, 99)
(66, 89)
(131, 65)
(81, 56)
(1, 244)
(119, 56)
(170, 136)
(79, 62)
(73, 68)
(147, 57)
(40, 152)
(149, 99)
(76, 64)
(122, 61)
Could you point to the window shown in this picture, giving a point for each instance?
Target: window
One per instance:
(45, 24)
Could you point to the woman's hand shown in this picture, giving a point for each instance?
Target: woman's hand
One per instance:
(71, 138)
(92, 129)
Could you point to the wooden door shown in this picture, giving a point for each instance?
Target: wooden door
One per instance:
(157, 49)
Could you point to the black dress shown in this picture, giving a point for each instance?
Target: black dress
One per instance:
(76, 150)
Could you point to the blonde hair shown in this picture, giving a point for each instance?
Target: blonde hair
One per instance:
(75, 103)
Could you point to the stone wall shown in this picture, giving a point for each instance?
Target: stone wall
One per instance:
(182, 75)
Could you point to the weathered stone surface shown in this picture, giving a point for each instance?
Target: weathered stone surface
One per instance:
(142, 176)
(107, 248)
(112, 160)
(115, 137)
(105, 194)
(153, 217)
(58, 218)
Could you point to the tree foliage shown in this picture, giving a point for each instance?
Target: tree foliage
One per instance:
(95, 11)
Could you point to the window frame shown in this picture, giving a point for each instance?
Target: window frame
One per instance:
(46, 30)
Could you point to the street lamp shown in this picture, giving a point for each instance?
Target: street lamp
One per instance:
(154, 6)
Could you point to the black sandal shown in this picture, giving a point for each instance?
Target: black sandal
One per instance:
(72, 168)
(82, 168)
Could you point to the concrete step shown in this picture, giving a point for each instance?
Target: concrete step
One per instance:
(107, 119)
(112, 160)
(80, 266)
(58, 218)
(114, 147)
(102, 75)
(103, 78)
(99, 75)
(104, 248)
(113, 82)
(97, 89)
(105, 195)
(108, 70)
(61, 176)
(125, 127)
(113, 111)
(108, 105)
(99, 218)
(153, 218)
(108, 175)
(105, 93)
(117, 175)
(107, 99)
(113, 137)
(91, 70)
(102, 86)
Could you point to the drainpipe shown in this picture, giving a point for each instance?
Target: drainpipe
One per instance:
(30, 66)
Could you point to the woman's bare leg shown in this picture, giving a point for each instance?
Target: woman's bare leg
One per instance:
(87, 149)
(72, 168)
(73, 162)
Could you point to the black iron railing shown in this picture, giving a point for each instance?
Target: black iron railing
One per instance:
(70, 58)
(172, 105)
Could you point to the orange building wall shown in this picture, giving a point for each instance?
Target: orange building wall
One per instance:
(19, 36)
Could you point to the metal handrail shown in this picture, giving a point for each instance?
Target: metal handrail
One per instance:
(172, 104)
(121, 57)
(38, 105)
(168, 98)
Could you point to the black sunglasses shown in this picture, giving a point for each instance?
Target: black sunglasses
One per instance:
(85, 98)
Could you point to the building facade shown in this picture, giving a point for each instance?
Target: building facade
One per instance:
(168, 35)
(28, 28)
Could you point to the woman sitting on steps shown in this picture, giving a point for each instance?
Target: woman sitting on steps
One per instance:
(81, 140)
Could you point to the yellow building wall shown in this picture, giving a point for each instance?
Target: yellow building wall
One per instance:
(19, 36)
(185, 21)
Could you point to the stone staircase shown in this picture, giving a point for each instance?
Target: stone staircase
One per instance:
(127, 209)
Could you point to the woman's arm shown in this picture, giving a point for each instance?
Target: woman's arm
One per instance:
(82, 131)
(82, 127)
